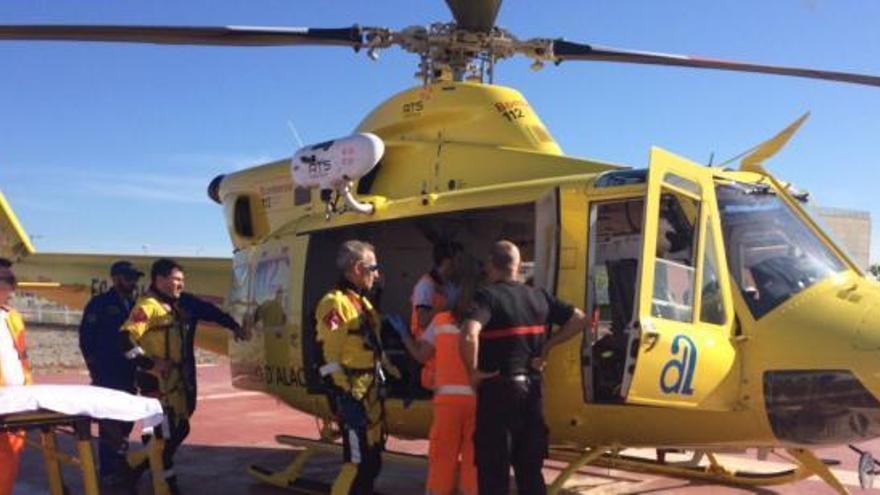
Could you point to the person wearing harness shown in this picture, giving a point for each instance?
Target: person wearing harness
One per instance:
(504, 345)
(99, 342)
(433, 293)
(451, 446)
(152, 338)
(348, 330)
(14, 371)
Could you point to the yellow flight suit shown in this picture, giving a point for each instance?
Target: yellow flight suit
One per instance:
(348, 329)
(155, 327)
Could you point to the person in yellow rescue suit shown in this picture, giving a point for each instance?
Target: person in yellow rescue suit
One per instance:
(349, 333)
(152, 338)
(433, 293)
(14, 371)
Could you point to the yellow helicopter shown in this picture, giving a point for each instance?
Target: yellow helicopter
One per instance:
(710, 289)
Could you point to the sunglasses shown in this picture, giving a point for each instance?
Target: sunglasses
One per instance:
(372, 268)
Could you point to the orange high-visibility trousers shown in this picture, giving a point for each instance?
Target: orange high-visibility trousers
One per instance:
(452, 438)
(11, 445)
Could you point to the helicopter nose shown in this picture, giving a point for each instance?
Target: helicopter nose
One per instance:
(830, 394)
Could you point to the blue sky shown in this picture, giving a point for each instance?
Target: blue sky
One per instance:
(109, 148)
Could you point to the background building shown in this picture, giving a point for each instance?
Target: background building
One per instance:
(852, 228)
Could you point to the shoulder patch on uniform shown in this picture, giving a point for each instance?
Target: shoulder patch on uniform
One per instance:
(139, 315)
(333, 320)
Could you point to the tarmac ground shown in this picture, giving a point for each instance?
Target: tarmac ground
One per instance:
(233, 428)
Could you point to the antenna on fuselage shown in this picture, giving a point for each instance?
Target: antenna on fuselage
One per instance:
(299, 142)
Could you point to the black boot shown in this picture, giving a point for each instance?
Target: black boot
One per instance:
(173, 489)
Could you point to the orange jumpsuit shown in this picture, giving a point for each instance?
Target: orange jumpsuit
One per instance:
(452, 446)
(428, 292)
(11, 444)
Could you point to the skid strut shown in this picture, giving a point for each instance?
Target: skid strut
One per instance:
(806, 465)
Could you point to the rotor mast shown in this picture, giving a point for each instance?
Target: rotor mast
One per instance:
(466, 49)
(448, 52)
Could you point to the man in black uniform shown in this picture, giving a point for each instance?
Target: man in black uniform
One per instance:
(504, 343)
(99, 343)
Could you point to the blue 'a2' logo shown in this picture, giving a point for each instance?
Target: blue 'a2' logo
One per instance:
(678, 374)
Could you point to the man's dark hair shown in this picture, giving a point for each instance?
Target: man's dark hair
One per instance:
(163, 267)
(7, 276)
(446, 250)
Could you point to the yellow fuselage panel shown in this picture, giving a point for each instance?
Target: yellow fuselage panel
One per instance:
(460, 136)
(463, 113)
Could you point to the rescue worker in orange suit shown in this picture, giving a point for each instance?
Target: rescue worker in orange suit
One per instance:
(451, 439)
(14, 371)
(504, 345)
(99, 342)
(348, 331)
(152, 338)
(434, 292)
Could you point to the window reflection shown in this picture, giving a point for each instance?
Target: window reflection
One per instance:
(771, 253)
(674, 270)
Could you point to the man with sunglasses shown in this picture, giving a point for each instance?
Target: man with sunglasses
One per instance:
(99, 343)
(348, 330)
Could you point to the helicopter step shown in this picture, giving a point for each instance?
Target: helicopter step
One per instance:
(291, 477)
(804, 465)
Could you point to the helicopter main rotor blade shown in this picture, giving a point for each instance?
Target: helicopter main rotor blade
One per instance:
(182, 35)
(475, 15)
(566, 50)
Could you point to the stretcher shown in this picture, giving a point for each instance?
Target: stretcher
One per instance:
(49, 409)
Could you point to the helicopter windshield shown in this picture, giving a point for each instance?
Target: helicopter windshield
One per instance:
(771, 253)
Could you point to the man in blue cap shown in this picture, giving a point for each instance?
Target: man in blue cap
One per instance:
(99, 343)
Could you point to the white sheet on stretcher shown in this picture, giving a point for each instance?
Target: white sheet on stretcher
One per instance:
(81, 400)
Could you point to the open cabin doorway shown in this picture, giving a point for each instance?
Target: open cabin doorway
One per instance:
(404, 252)
(615, 245)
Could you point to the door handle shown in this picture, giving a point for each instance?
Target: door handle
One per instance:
(651, 339)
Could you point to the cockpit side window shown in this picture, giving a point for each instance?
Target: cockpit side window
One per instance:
(675, 266)
(772, 254)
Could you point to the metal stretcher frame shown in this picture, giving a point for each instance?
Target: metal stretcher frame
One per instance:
(48, 423)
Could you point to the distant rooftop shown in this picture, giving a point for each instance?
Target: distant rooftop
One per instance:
(843, 212)
(852, 229)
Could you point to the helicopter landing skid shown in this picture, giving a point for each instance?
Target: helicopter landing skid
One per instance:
(291, 476)
(806, 465)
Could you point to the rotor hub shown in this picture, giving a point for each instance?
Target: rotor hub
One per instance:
(450, 53)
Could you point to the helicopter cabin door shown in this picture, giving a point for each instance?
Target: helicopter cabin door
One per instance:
(680, 348)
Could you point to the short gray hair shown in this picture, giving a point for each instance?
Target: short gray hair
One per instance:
(350, 252)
